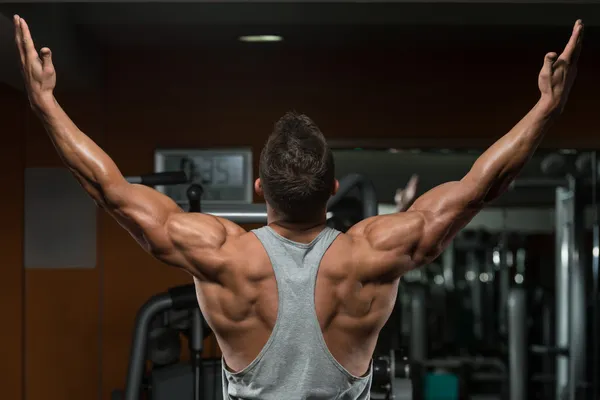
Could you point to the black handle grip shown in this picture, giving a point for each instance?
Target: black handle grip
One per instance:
(183, 297)
(164, 178)
(194, 195)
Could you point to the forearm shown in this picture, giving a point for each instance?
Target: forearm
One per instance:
(92, 167)
(495, 169)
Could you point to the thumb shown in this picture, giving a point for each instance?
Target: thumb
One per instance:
(412, 183)
(46, 56)
(410, 193)
(398, 197)
(549, 61)
(550, 58)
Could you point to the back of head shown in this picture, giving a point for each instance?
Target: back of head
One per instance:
(296, 169)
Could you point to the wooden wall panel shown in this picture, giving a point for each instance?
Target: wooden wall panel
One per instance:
(13, 106)
(62, 329)
(455, 95)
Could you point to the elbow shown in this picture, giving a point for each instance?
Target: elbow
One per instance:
(477, 190)
(113, 194)
(485, 185)
(498, 189)
(426, 254)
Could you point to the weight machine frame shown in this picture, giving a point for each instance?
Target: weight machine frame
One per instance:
(571, 262)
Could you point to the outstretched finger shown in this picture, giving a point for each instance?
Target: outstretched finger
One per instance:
(578, 46)
(570, 52)
(18, 40)
(27, 41)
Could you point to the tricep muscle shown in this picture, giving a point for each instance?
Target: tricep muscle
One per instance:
(446, 209)
(143, 212)
(161, 227)
(407, 240)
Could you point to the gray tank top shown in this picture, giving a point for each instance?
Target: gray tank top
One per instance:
(295, 363)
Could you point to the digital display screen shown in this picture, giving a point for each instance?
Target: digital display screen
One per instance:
(225, 174)
(226, 170)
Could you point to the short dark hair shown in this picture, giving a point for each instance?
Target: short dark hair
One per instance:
(296, 168)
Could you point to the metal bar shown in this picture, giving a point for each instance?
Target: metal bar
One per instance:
(239, 213)
(489, 300)
(134, 179)
(548, 357)
(160, 178)
(517, 344)
(564, 215)
(487, 377)
(448, 267)
(257, 213)
(547, 350)
(472, 264)
(537, 183)
(595, 276)
(418, 326)
(137, 358)
(196, 347)
(453, 362)
(523, 219)
(503, 283)
(532, 183)
(577, 298)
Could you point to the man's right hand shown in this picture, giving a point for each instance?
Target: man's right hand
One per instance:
(558, 74)
(38, 71)
(404, 197)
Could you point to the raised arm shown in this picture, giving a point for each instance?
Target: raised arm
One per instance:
(153, 219)
(416, 237)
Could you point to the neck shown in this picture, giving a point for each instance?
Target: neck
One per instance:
(297, 226)
(299, 231)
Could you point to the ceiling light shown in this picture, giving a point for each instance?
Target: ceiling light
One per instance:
(260, 38)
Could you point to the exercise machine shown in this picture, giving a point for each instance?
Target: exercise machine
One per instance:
(391, 376)
(575, 376)
(159, 179)
(159, 324)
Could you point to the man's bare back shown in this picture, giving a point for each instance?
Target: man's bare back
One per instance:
(351, 311)
(357, 279)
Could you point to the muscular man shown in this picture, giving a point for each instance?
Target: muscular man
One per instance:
(296, 307)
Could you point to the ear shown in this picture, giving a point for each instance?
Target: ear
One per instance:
(258, 187)
(336, 187)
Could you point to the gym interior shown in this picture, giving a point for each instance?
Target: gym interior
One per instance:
(509, 311)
